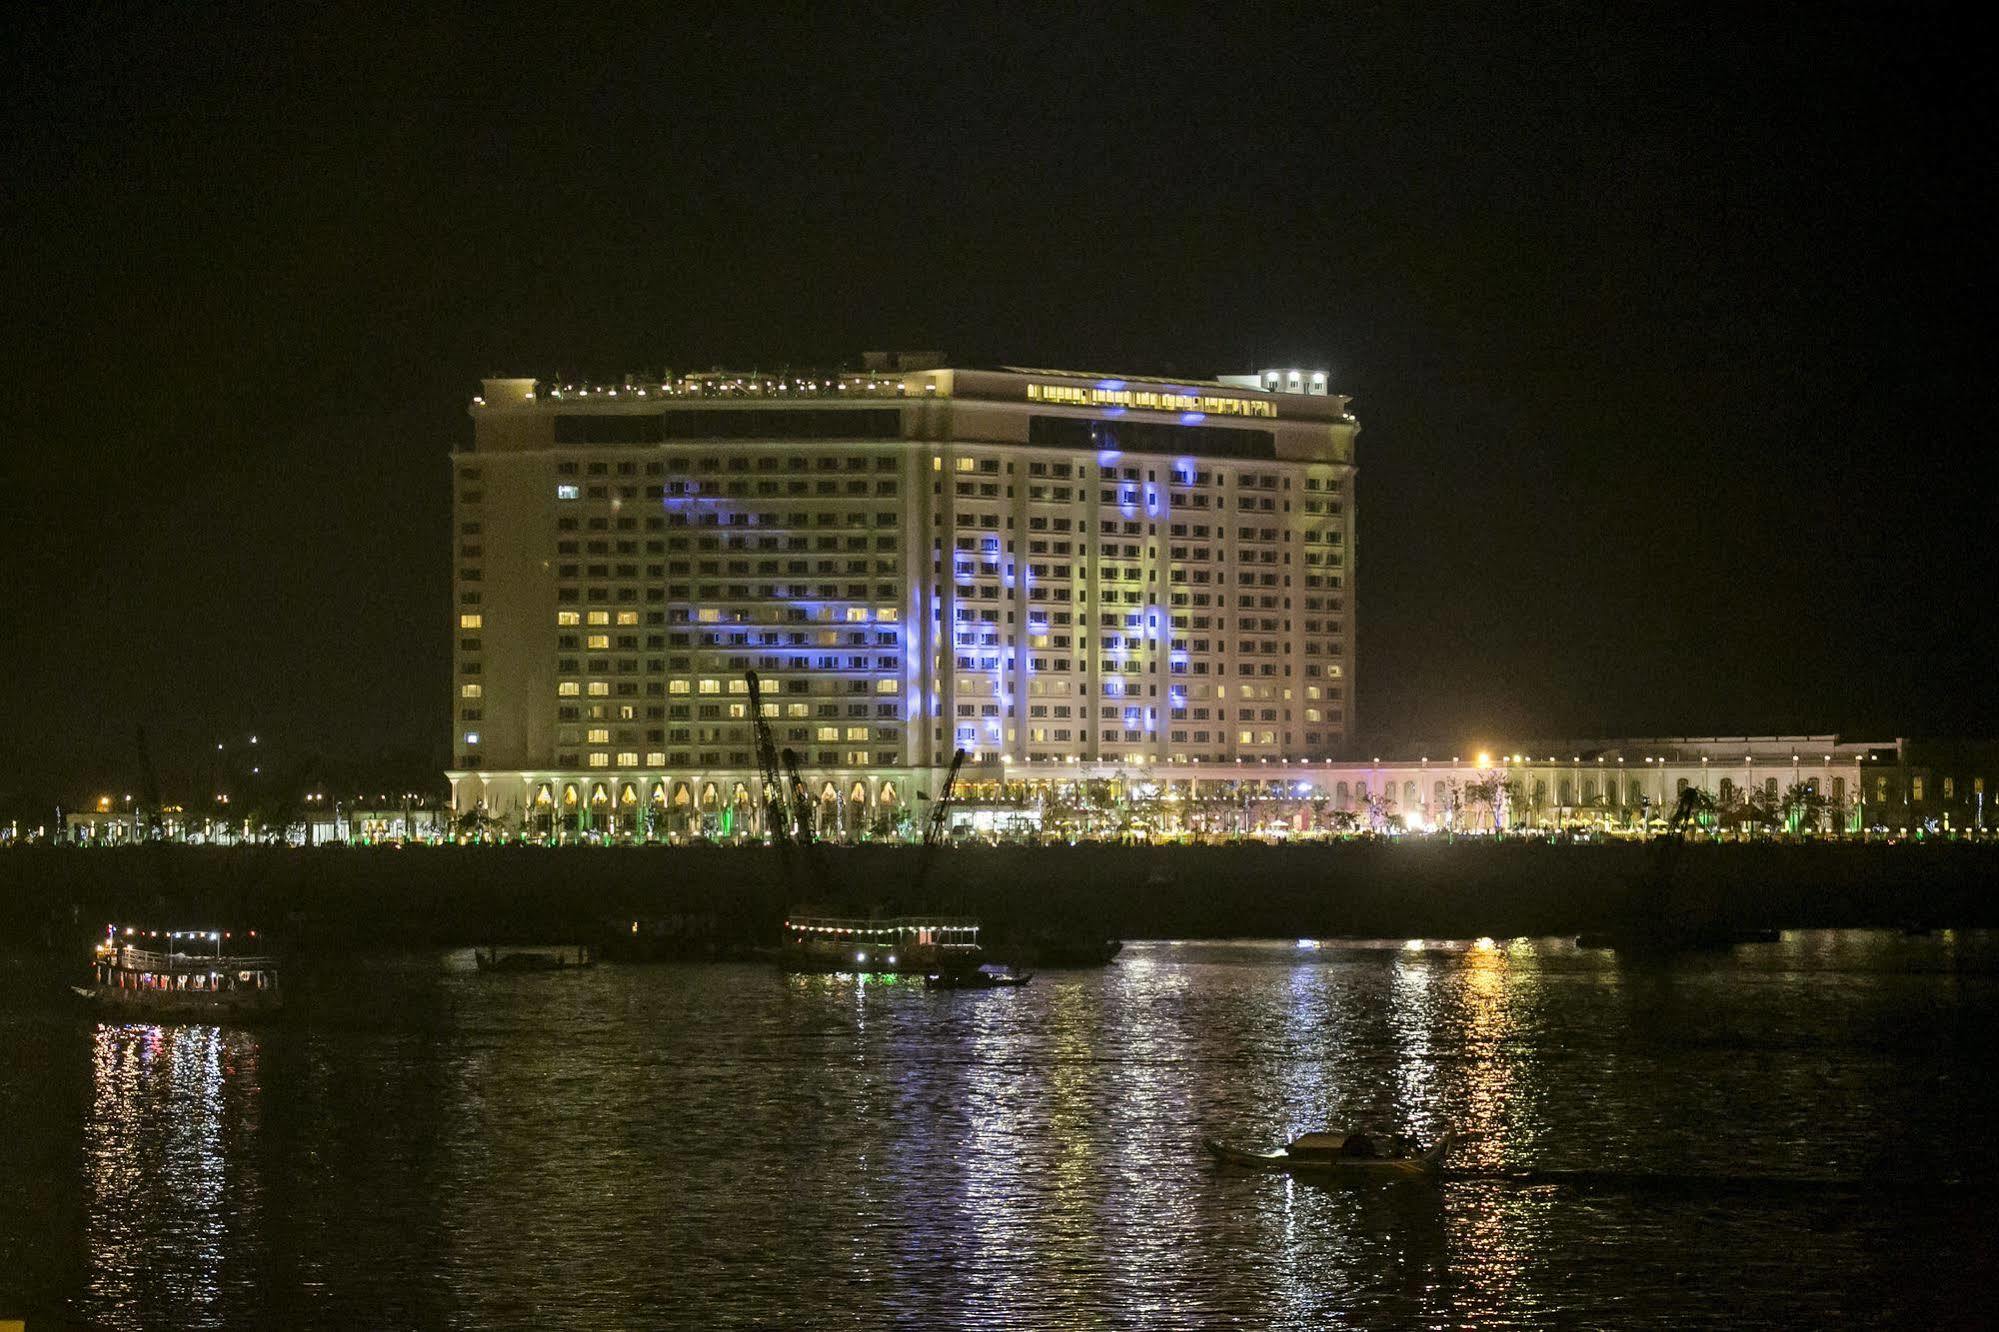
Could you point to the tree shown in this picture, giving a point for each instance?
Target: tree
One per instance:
(478, 826)
(1803, 808)
(1497, 793)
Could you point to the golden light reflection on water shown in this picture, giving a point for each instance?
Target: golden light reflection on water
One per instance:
(168, 1107)
(724, 1146)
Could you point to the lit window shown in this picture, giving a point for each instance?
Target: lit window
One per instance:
(471, 621)
(599, 735)
(600, 760)
(829, 733)
(471, 737)
(739, 710)
(600, 689)
(739, 686)
(471, 691)
(857, 614)
(626, 617)
(708, 615)
(676, 686)
(711, 686)
(857, 732)
(567, 492)
(656, 759)
(599, 642)
(628, 759)
(888, 686)
(968, 464)
(888, 615)
(568, 689)
(600, 617)
(567, 618)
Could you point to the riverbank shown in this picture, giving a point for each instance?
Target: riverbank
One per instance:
(729, 897)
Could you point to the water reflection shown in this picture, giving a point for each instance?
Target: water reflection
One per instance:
(168, 1178)
(724, 1146)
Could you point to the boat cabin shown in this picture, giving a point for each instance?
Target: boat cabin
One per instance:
(192, 962)
(816, 942)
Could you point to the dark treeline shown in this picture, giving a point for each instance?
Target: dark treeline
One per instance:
(463, 895)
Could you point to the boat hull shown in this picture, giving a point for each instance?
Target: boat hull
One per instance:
(1698, 939)
(181, 1005)
(1398, 1167)
(523, 963)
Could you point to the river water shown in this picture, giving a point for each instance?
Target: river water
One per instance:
(1788, 1134)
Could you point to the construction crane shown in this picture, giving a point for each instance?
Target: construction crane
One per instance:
(776, 804)
(801, 799)
(149, 790)
(940, 808)
(934, 827)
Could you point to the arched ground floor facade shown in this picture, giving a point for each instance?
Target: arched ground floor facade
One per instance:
(1780, 784)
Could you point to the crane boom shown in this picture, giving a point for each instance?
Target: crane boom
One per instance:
(940, 810)
(776, 806)
(801, 799)
(933, 828)
(151, 788)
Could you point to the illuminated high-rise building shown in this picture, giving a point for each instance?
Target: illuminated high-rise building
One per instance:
(1065, 574)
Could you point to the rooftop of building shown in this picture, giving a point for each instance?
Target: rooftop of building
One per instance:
(882, 376)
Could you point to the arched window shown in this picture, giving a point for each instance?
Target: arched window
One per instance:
(1345, 793)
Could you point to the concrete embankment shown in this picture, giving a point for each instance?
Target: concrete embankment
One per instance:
(462, 895)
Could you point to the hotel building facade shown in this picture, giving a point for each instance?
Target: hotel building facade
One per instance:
(1071, 576)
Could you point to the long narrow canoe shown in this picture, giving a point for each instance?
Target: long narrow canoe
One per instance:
(1307, 1154)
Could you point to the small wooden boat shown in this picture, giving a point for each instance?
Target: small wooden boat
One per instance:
(180, 976)
(1387, 1155)
(532, 959)
(1675, 939)
(977, 978)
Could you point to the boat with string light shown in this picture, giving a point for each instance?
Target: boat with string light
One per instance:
(882, 945)
(194, 975)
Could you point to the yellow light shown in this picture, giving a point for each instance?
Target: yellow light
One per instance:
(1484, 760)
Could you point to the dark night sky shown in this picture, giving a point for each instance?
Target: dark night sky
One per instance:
(1664, 338)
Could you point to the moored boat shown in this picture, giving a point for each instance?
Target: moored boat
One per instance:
(181, 975)
(916, 945)
(533, 959)
(1389, 1155)
(1674, 939)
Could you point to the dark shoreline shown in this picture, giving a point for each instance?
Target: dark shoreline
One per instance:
(723, 898)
